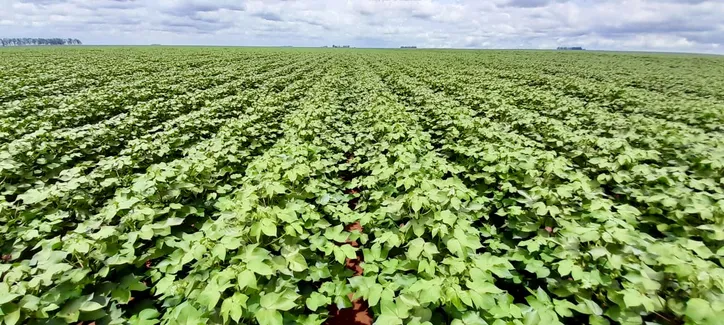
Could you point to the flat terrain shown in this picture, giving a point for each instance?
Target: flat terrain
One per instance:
(280, 186)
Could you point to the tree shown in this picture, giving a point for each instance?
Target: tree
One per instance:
(25, 41)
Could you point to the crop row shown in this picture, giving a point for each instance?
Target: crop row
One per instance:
(266, 186)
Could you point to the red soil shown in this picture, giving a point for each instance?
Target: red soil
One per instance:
(359, 313)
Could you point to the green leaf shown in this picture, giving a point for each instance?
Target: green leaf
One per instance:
(246, 279)
(408, 300)
(374, 294)
(349, 251)
(554, 210)
(414, 248)
(453, 245)
(291, 175)
(416, 204)
(127, 203)
(448, 217)
(29, 302)
(310, 320)
(164, 284)
(563, 308)
(219, 251)
(269, 317)
(121, 295)
(259, 267)
(486, 287)
(209, 297)
(33, 196)
(71, 310)
(5, 295)
(632, 298)
(274, 188)
(597, 320)
(279, 301)
(698, 310)
(12, 318)
(233, 307)
(338, 254)
(317, 300)
(145, 317)
(386, 319)
(565, 267)
(297, 262)
(593, 307)
(89, 306)
(268, 227)
(186, 314)
(598, 252)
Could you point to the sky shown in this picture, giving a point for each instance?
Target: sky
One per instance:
(636, 25)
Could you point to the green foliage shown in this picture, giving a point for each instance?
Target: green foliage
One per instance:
(217, 186)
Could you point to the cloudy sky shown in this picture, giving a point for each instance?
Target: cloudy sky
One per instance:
(660, 25)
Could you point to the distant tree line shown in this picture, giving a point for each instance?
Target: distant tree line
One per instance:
(25, 41)
(570, 48)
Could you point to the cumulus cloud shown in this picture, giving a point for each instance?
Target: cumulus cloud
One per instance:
(529, 3)
(267, 15)
(667, 25)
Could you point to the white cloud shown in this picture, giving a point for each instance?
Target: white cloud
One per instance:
(669, 25)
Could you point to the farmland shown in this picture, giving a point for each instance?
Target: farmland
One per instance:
(280, 186)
